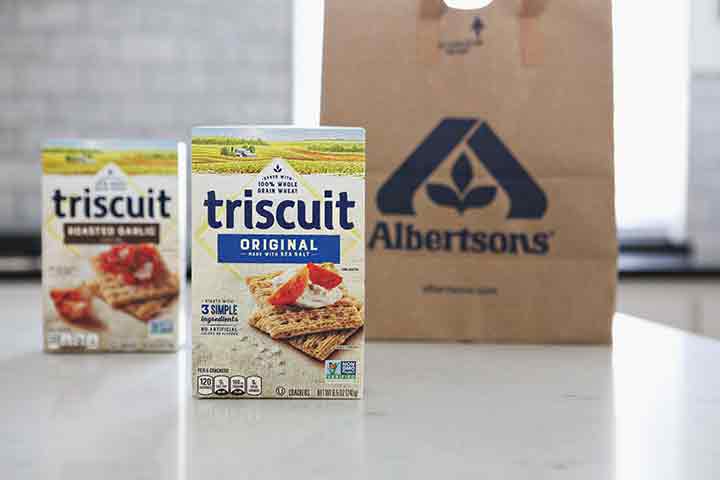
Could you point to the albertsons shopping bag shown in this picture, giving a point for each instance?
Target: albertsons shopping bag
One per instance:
(490, 165)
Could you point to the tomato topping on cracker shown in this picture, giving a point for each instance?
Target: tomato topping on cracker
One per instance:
(290, 291)
(135, 264)
(323, 277)
(73, 305)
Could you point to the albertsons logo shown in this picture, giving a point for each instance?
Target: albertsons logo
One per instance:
(475, 137)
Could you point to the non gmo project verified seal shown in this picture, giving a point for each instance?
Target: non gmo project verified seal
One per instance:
(340, 371)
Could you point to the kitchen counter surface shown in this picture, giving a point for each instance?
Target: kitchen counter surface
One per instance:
(649, 408)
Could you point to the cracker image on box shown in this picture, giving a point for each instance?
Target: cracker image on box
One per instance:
(278, 298)
(113, 245)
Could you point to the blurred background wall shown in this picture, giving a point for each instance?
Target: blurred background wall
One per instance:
(102, 68)
(704, 158)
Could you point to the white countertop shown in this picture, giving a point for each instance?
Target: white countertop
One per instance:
(647, 409)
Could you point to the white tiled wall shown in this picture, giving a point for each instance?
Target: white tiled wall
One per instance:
(704, 171)
(108, 68)
(704, 158)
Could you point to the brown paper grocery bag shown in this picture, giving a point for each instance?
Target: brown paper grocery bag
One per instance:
(490, 165)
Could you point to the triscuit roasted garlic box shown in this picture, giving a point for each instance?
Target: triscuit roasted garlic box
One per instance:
(113, 248)
(278, 264)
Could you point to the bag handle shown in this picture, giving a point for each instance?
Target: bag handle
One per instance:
(532, 8)
(432, 9)
(531, 39)
(436, 8)
(530, 36)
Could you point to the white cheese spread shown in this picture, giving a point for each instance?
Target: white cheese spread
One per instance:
(314, 296)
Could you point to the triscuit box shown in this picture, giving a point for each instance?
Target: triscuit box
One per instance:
(278, 262)
(113, 248)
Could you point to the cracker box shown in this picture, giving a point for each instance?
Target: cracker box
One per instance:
(113, 254)
(278, 262)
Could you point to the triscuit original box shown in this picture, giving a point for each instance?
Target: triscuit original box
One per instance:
(113, 248)
(278, 262)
